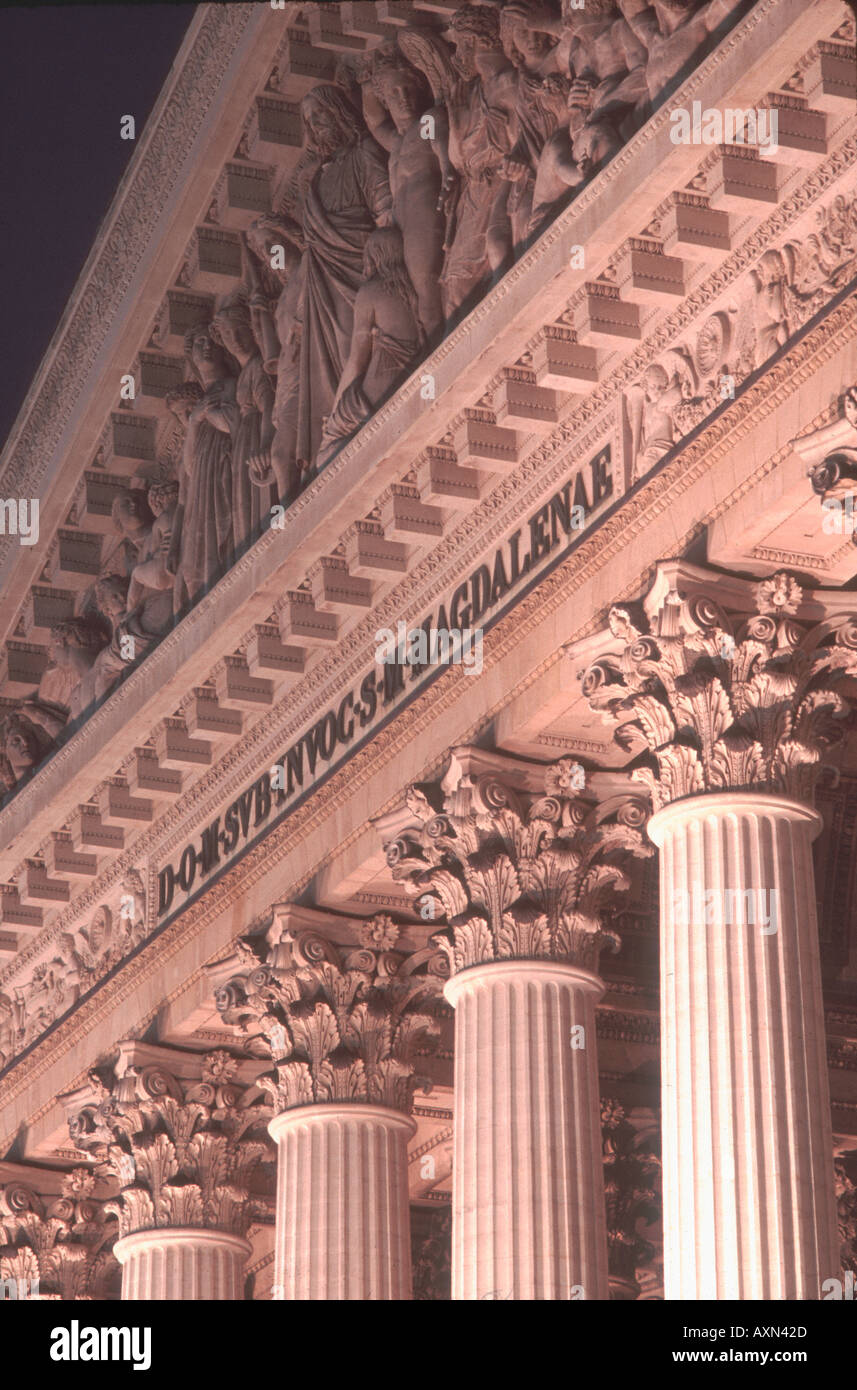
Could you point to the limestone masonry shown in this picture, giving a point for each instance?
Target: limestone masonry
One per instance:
(336, 966)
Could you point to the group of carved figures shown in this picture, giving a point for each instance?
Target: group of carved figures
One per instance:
(781, 293)
(76, 962)
(425, 166)
(116, 620)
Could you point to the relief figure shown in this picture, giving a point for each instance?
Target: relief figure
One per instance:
(251, 419)
(277, 328)
(346, 198)
(205, 496)
(385, 340)
(399, 110)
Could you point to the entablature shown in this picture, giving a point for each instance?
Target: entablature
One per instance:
(566, 381)
(421, 470)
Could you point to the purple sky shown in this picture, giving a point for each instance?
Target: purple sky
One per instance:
(69, 74)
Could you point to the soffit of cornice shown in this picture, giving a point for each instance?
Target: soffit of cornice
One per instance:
(532, 467)
(763, 397)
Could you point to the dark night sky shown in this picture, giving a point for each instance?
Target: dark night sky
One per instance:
(68, 75)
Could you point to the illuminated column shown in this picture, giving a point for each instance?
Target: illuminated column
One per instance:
(528, 1194)
(182, 1264)
(343, 1212)
(747, 1143)
(345, 1025)
(737, 713)
(179, 1135)
(521, 878)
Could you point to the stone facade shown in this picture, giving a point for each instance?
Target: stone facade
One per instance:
(427, 709)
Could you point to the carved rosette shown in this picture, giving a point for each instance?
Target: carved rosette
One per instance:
(518, 876)
(184, 1153)
(726, 703)
(632, 1192)
(64, 1245)
(341, 1024)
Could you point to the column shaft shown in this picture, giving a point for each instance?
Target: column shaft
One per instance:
(749, 1209)
(343, 1214)
(528, 1191)
(182, 1264)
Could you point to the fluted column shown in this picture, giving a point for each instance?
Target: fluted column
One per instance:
(177, 1264)
(737, 706)
(345, 1023)
(182, 1138)
(520, 867)
(343, 1213)
(528, 1196)
(747, 1144)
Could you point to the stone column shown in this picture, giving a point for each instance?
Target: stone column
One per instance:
(343, 1214)
(521, 879)
(187, 1264)
(747, 1141)
(344, 1024)
(846, 1210)
(183, 1150)
(632, 1185)
(737, 712)
(528, 1196)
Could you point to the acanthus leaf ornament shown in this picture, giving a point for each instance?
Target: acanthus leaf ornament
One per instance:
(63, 1245)
(180, 1153)
(727, 706)
(342, 1024)
(520, 875)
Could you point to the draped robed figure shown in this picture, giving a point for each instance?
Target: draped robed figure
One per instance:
(203, 539)
(347, 197)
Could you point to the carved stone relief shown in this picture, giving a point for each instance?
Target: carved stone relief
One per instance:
(64, 1245)
(183, 1153)
(779, 294)
(427, 163)
(632, 1192)
(727, 703)
(339, 1024)
(515, 876)
(74, 963)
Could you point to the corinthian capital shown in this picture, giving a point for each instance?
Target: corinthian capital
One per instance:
(341, 1023)
(183, 1151)
(518, 873)
(727, 684)
(56, 1245)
